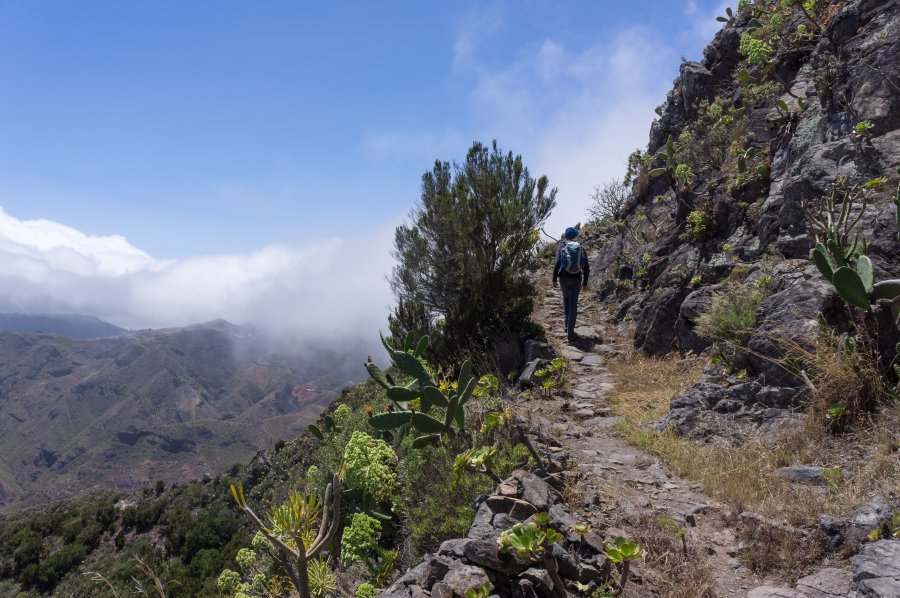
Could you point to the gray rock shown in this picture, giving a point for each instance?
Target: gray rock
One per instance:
(523, 588)
(808, 475)
(441, 590)
(571, 353)
(436, 568)
(537, 492)
(791, 315)
(482, 527)
(455, 547)
(592, 360)
(514, 507)
(866, 518)
(462, 577)
(568, 566)
(487, 554)
(540, 580)
(527, 376)
(535, 349)
(588, 333)
(827, 583)
(876, 569)
(655, 328)
(695, 82)
(695, 304)
(773, 592)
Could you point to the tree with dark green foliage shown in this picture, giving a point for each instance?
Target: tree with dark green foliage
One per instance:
(463, 258)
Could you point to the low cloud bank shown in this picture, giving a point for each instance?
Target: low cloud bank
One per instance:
(322, 289)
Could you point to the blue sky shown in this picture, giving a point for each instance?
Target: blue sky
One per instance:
(138, 138)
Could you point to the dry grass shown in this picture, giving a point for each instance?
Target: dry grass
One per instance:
(673, 567)
(745, 476)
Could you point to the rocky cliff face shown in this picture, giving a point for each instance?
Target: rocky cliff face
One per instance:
(782, 111)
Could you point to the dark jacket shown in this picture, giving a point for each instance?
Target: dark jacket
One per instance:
(558, 272)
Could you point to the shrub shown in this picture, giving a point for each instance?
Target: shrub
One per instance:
(464, 258)
(367, 590)
(367, 461)
(731, 315)
(684, 174)
(607, 200)
(757, 51)
(698, 224)
(360, 539)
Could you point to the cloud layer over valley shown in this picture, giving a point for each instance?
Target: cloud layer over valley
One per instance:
(328, 287)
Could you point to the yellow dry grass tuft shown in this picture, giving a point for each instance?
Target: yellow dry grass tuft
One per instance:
(863, 461)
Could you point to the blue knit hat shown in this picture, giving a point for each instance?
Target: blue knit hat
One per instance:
(571, 233)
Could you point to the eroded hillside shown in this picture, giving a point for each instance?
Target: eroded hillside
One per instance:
(168, 405)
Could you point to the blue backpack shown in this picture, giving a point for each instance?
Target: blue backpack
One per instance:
(570, 258)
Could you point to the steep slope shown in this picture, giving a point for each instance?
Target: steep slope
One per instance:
(787, 108)
(169, 404)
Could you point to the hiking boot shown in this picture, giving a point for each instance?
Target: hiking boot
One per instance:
(572, 337)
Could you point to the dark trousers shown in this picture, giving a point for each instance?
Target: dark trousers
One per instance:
(570, 287)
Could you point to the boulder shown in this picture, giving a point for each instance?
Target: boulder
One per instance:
(537, 492)
(791, 316)
(876, 569)
(807, 475)
(461, 578)
(487, 554)
(527, 377)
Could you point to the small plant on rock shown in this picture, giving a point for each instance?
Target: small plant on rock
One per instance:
(698, 224)
(482, 591)
(624, 551)
(479, 460)
(731, 314)
(532, 542)
(758, 52)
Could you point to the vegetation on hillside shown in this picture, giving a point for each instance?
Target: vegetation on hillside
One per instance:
(463, 260)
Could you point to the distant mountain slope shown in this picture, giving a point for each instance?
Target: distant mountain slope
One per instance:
(169, 404)
(71, 325)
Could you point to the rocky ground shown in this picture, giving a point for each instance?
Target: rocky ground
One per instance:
(692, 542)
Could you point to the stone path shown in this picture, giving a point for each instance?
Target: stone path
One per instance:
(617, 482)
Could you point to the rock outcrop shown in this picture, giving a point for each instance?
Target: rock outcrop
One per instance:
(797, 118)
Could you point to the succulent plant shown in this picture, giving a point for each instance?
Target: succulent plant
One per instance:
(623, 550)
(290, 530)
(451, 397)
(480, 460)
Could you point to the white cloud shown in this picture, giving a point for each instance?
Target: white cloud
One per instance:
(474, 26)
(574, 114)
(707, 26)
(325, 287)
(388, 144)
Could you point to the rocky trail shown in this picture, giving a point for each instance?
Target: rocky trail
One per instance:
(621, 487)
(590, 475)
(618, 484)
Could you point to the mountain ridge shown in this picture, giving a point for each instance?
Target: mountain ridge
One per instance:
(169, 404)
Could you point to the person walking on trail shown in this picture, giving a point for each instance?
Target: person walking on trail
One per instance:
(571, 270)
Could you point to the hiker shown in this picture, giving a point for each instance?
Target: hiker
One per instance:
(571, 270)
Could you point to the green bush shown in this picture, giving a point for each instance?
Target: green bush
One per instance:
(464, 258)
(698, 224)
(731, 315)
(757, 51)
